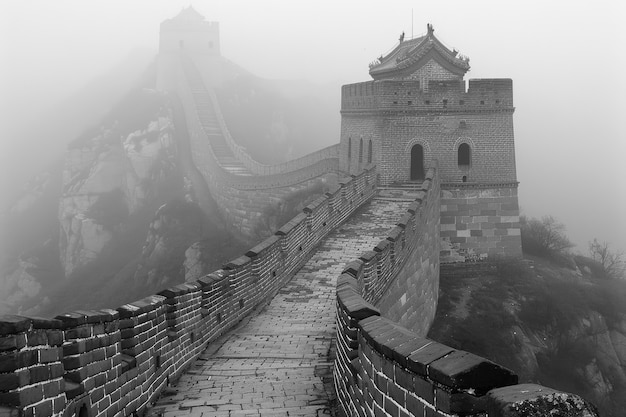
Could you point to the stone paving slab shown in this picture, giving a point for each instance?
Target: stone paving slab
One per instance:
(279, 361)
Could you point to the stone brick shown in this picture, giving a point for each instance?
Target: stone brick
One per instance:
(11, 324)
(463, 370)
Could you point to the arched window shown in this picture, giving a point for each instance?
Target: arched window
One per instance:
(349, 148)
(464, 157)
(369, 152)
(361, 150)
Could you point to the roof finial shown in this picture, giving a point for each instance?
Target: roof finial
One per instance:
(402, 37)
(430, 29)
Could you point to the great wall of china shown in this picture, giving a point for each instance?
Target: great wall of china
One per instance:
(118, 362)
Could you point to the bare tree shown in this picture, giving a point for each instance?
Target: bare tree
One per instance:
(612, 262)
(544, 236)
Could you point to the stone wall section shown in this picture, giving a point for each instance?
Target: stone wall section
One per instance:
(115, 362)
(247, 202)
(384, 369)
(400, 275)
(480, 221)
(400, 114)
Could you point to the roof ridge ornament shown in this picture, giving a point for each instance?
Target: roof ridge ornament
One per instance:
(429, 29)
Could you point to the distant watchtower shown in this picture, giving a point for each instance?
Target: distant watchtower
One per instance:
(187, 34)
(190, 32)
(417, 109)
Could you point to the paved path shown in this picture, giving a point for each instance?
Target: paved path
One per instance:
(279, 361)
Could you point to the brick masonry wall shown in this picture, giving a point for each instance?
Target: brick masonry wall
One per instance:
(397, 115)
(481, 222)
(114, 362)
(384, 369)
(247, 203)
(400, 276)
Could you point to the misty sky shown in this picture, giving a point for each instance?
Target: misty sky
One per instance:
(565, 58)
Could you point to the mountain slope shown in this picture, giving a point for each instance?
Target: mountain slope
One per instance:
(558, 326)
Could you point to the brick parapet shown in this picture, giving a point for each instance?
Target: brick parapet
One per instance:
(246, 201)
(265, 176)
(382, 368)
(440, 96)
(115, 362)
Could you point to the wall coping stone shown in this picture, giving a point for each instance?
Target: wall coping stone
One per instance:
(353, 267)
(368, 256)
(72, 319)
(382, 245)
(395, 233)
(43, 323)
(347, 280)
(290, 225)
(236, 263)
(419, 360)
(315, 204)
(356, 307)
(464, 370)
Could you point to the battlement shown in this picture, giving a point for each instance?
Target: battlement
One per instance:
(383, 368)
(437, 96)
(196, 26)
(115, 362)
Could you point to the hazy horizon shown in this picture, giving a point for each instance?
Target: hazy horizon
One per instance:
(563, 60)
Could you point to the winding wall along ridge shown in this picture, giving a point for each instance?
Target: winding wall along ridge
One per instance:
(266, 176)
(115, 362)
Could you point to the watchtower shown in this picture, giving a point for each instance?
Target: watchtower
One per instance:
(189, 31)
(187, 35)
(417, 109)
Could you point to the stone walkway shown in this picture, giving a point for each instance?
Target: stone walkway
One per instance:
(279, 361)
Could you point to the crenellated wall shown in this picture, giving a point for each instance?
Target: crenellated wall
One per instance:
(246, 202)
(386, 367)
(448, 96)
(400, 275)
(113, 362)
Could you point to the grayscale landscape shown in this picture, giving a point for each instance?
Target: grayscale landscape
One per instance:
(131, 163)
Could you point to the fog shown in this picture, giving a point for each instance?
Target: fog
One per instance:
(565, 60)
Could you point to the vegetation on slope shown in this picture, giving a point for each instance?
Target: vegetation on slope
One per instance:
(555, 320)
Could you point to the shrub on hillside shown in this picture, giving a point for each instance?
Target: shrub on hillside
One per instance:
(545, 238)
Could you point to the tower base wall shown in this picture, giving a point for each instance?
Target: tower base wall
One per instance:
(479, 222)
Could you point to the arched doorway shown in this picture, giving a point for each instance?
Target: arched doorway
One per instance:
(417, 163)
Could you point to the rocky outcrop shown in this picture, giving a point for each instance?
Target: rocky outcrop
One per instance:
(106, 179)
(18, 286)
(176, 226)
(193, 264)
(559, 326)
